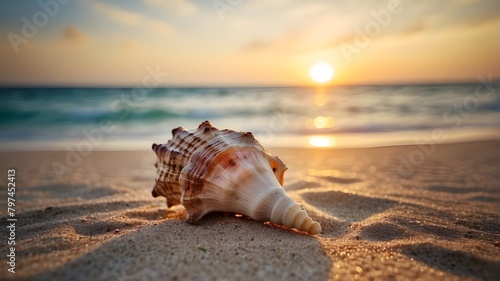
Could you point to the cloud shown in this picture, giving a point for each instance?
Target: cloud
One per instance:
(422, 19)
(181, 7)
(118, 15)
(257, 45)
(325, 28)
(291, 41)
(128, 45)
(307, 10)
(74, 34)
(443, 16)
(129, 18)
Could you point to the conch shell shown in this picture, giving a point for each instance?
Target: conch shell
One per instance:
(210, 170)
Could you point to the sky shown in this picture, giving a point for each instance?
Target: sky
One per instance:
(247, 43)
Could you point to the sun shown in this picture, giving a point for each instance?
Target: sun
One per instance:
(321, 72)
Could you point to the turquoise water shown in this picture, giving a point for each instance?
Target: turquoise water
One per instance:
(127, 118)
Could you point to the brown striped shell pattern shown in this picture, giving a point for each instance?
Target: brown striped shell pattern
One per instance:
(211, 170)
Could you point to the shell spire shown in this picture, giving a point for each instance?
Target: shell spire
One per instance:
(211, 170)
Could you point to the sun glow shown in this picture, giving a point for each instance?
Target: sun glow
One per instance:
(321, 72)
(321, 122)
(320, 98)
(322, 141)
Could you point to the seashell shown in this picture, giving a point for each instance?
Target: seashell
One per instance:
(211, 170)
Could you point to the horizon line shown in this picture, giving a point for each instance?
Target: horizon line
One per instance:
(208, 86)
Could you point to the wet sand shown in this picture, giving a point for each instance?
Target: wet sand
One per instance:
(382, 219)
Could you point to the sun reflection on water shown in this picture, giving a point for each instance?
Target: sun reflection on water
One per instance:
(320, 97)
(322, 141)
(321, 122)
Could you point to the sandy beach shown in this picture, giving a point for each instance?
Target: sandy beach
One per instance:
(435, 220)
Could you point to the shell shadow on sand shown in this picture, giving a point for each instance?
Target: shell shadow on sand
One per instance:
(175, 250)
(341, 210)
(33, 222)
(347, 207)
(63, 191)
(454, 261)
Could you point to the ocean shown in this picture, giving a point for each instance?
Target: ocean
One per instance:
(336, 116)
